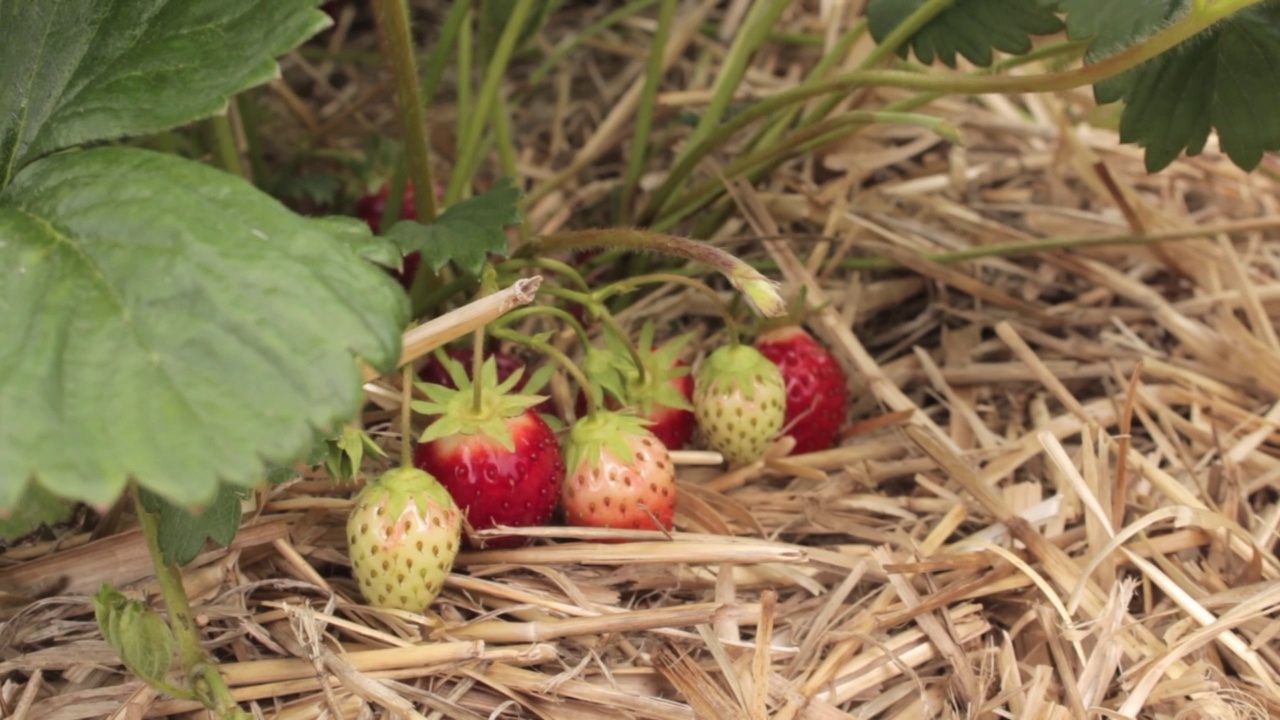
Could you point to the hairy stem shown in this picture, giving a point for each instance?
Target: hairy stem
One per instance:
(392, 18)
(760, 291)
(554, 353)
(406, 416)
(622, 286)
(200, 670)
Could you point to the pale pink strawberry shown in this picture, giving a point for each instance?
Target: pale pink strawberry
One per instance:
(620, 475)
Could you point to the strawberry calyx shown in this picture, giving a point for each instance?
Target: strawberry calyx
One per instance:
(459, 412)
(398, 486)
(614, 368)
(601, 430)
(736, 367)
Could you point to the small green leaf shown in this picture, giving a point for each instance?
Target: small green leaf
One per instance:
(75, 72)
(355, 234)
(183, 533)
(164, 321)
(972, 28)
(465, 233)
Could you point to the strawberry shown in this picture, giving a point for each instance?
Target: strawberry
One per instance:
(739, 399)
(817, 389)
(662, 400)
(371, 207)
(499, 459)
(620, 475)
(402, 535)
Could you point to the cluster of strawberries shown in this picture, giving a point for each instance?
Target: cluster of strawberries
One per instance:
(489, 458)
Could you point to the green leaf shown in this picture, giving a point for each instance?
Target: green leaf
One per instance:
(355, 234)
(972, 28)
(163, 321)
(1224, 78)
(1112, 27)
(140, 637)
(183, 533)
(36, 508)
(465, 233)
(75, 72)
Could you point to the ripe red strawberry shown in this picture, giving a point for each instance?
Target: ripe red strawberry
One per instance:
(402, 535)
(739, 399)
(620, 475)
(662, 399)
(817, 389)
(500, 460)
(371, 207)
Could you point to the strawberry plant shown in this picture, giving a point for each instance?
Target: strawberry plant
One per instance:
(172, 336)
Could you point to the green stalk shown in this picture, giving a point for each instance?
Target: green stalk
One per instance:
(575, 40)
(406, 416)
(247, 112)
(952, 83)
(760, 21)
(829, 60)
(798, 142)
(567, 318)
(545, 263)
(1065, 242)
(469, 146)
(622, 286)
(392, 18)
(639, 151)
(709, 222)
(198, 668)
(439, 58)
(554, 353)
(464, 104)
(224, 145)
(760, 290)
(502, 136)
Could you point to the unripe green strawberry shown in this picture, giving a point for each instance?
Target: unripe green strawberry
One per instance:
(403, 535)
(740, 401)
(620, 475)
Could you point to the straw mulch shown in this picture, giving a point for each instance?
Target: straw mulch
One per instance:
(1057, 497)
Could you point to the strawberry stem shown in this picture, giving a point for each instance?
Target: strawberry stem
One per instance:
(761, 292)
(583, 337)
(477, 366)
(597, 307)
(406, 416)
(547, 264)
(200, 671)
(546, 348)
(629, 284)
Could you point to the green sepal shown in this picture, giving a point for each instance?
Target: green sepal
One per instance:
(399, 485)
(659, 368)
(602, 430)
(141, 638)
(457, 410)
(735, 367)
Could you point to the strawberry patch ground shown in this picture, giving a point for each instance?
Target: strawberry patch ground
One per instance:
(1054, 489)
